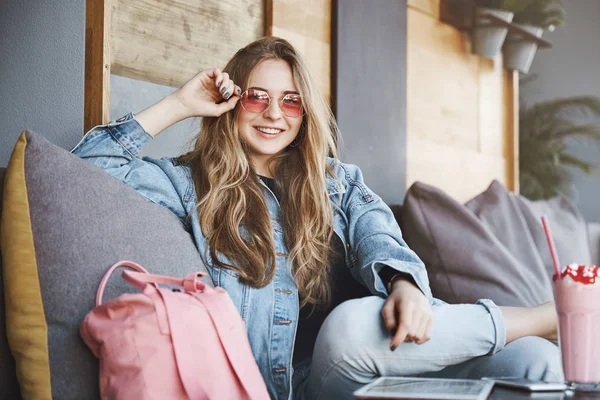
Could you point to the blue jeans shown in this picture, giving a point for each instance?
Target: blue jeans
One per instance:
(352, 349)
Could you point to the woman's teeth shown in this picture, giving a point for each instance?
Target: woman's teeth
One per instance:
(269, 131)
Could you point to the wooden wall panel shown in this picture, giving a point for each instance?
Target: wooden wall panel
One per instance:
(167, 42)
(97, 64)
(306, 25)
(461, 111)
(430, 7)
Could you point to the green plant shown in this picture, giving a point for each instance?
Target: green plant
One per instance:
(546, 14)
(544, 130)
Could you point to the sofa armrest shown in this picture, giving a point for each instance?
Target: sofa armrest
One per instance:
(594, 233)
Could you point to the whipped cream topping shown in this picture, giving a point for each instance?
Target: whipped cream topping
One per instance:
(584, 274)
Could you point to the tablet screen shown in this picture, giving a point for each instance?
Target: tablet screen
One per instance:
(426, 388)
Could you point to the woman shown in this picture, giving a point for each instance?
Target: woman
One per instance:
(288, 231)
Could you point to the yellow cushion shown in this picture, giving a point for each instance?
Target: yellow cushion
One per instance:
(26, 326)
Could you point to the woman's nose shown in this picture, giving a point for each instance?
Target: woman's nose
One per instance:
(273, 111)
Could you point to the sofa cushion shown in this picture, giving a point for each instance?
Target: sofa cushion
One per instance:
(481, 250)
(8, 379)
(569, 230)
(65, 222)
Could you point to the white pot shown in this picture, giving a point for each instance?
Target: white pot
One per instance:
(519, 52)
(487, 37)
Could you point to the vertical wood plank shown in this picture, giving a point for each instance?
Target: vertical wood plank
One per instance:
(431, 7)
(307, 26)
(97, 63)
(512, 107)
(269, 17)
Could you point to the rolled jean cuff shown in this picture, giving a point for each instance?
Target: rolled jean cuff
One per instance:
(498, 321)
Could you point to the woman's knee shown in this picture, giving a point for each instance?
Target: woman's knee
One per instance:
(536, 358)
(530, 357)
(351, 327)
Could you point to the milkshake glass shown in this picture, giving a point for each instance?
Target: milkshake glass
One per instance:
(578, 308)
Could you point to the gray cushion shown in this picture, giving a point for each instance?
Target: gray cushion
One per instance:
(8, 379)
(482, 250)
(569, 230)
(83, 221)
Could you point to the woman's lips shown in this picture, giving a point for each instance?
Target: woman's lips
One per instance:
(268, 133)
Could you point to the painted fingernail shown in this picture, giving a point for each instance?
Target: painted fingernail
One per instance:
(226, 95)
(219, 83)
(223, 89)
(239, 91)
(393, 347)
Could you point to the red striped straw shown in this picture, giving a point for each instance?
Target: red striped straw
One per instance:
(551, 246)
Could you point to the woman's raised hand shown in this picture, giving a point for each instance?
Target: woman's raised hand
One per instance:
(208, 94)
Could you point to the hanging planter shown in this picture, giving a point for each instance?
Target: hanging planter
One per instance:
(488, 37)
(531, 19)
(519, 51)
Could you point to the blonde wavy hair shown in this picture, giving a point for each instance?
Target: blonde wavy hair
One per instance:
(231, 197)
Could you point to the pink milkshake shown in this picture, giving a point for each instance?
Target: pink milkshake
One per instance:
(578, 308)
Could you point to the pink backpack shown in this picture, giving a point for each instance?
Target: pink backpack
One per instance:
(165, 344)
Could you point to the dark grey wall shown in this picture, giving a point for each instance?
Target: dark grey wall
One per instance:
(570, 68)
(42, 51)
(369, 90)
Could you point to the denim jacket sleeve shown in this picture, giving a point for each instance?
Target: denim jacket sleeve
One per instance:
(375, 239)
(115, 147)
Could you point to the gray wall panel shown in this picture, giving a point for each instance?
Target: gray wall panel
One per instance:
(369, 90)
(42, 54)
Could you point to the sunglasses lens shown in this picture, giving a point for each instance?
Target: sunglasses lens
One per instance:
(255, 100)
(291, 105)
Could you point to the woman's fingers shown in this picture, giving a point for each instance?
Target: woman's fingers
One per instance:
(405, 324)
(420, 327)
(229, 91)
(226, 105)
(428, 331)
(215, 75)
(388, 312)
(226, 87)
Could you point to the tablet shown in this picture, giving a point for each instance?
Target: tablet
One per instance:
(529, 385)
(425, 388)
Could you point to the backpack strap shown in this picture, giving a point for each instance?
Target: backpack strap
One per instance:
(231, 332)
(189, 366)
(190, 283)
(221, 310)
(104, 281)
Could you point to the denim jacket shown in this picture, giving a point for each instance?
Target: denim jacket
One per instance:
(363, 222)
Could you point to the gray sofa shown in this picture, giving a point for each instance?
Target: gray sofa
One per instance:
(83, 221)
